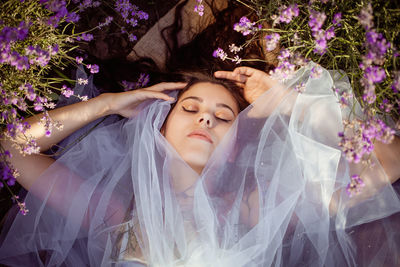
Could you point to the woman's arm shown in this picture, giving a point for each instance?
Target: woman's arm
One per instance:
(73, 117)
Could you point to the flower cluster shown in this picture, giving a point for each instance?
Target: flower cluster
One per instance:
(286, 14)
(245, 26)
(321, 36)
(355, 185)
(271, 41)
(357, 139)
(60, 12)
(376, 48)
(287, 65)
(131, 14)
(8, 174)
(220, 53)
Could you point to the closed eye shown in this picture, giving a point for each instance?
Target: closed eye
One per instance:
(224, 120)
(188, 110)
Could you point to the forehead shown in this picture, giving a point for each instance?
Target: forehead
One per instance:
(211, 92)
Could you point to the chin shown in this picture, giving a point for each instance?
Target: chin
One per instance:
(196, 161)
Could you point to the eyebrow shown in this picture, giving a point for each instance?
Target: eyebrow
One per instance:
(201, 100)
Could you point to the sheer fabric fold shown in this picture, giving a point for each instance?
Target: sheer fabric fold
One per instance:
(272, 194)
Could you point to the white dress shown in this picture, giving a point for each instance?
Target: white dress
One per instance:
(272, 194)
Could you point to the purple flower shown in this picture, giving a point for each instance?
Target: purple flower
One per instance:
(39, 56)
(85, 37)
(245, 26)
(29, 91)
(287, 14)
(316, 72)
(132, 37)
(316, 21)
(396, 82)
(107, 21)
(219, 52)
(143, 79)
(285, 53)
(377, 47)
(18, 61)
(272, 41)
(337, 18)
(6, 173)
(142, 15)
(320, 46)
(93, 68)
(285, 68)
(72, 17)
(130, 12)
(355, 185)
(374, 74)
(66, 91)
(11, 34)
(199, 9)
(79, 60)
(330, 33)
(39, 102)
(365, 18)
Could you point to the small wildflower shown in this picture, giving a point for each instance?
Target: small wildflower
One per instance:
(386, 106)
(316, 72)
(396, 82)
(82, 81)
(199, 9)
(93, 68)
(79, 60)
(83, 98)
(337, 18)
(301, 87)
(237, 59)
(85, 37)
(219, 52)
(21, 205)
(287, 14)
(66, 91)
(365, 18)
(355, 185)
(272, 41)
(107, 21)
(234, 49)
(245, 26)
(132, 37)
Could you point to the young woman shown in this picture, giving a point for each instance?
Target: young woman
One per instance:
(205, 181)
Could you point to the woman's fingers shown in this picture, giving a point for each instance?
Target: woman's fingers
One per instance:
(246, 71)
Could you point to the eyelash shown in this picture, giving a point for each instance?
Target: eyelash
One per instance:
(194, 111)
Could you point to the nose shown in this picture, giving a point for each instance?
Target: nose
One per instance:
(205, 119)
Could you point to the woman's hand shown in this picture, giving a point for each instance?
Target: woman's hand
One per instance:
(254, 82)
(125, 103)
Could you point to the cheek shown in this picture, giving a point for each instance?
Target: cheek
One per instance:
(222, 131)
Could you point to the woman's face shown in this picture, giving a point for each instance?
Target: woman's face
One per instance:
(198, 122)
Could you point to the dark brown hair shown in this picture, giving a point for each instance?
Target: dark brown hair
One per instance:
(193, 78)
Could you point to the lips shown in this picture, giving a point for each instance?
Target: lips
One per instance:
(201, 134)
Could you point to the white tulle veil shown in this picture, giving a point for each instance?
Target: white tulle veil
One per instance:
(272, 193)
